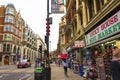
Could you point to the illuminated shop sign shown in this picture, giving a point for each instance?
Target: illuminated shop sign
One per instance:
(107, 28)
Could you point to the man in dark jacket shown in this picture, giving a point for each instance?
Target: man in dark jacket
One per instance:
(115, 64)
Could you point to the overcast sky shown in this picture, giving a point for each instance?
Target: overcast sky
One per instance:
(34, 12)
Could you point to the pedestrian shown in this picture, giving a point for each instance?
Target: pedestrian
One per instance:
(36, 62)
(59, 62)
(65, 66)
(115, 64)
(43, 64)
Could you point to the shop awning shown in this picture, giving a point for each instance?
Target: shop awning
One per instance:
(63, 56)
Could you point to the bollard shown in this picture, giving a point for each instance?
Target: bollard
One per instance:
(47, 73)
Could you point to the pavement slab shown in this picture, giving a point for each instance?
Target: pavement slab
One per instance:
(57, 73)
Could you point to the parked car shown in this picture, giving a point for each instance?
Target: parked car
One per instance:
(24, 63)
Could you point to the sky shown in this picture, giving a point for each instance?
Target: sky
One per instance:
(34, 12)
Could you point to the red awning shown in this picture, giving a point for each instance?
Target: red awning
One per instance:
(64, 56)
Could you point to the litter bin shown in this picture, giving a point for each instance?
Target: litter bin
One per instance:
(39, 73)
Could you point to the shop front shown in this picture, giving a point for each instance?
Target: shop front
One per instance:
(100, 41)
(75, 55)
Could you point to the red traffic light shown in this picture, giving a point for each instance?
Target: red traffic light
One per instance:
(48, 30)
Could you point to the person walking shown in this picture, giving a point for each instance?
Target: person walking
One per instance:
(65, 66)
(115, 64)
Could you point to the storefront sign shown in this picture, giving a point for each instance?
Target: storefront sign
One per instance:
(107, 28)
(79, 44)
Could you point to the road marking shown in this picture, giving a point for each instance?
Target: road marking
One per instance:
(24, 76)
(5, 74)
(1, 76)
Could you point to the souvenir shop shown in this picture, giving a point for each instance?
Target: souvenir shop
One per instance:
(100, 41)
(74, 53)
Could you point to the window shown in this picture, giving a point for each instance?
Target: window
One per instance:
(8, 37)
(91, 8)
(9, 19)
(4, 47)
(102, 2)
(26, 37)
(9, 11)
(98, 4)
(17, 23)
(26, 31)
(8, 47)
(81, 17)
(8, 28)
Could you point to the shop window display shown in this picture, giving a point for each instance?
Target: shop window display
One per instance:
(107, 59)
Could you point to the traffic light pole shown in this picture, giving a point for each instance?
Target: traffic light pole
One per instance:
(47, 68)
(47, 26)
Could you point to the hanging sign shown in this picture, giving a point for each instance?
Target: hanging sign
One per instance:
(57, 6)
(107, 28)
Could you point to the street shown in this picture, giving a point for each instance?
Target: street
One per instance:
(13, 73)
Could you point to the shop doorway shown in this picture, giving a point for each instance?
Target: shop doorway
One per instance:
(6, 60)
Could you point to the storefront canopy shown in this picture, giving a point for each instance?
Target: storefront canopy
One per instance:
(63, 56)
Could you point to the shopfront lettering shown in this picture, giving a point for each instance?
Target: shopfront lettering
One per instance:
(94, 32)
(108, 31)
(109, 22)
(93, 39)
(107, 28)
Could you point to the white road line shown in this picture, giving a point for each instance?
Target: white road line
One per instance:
(24, 76)
(1, 76)
(4, 75)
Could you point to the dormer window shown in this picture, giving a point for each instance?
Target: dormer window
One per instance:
(9, 11)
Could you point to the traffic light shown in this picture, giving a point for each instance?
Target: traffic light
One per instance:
(46, 39)
(48, 30)
(48, 27)
(40, 48)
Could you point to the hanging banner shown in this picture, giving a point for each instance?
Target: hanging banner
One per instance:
(57, 6)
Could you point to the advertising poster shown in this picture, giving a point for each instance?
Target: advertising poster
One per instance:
(57, 6)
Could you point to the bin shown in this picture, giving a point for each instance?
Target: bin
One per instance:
(39, 73)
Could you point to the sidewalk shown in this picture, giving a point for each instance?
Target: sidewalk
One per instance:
(57, 73)
(7, 66)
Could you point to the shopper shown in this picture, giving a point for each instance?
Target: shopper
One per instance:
(115, 64)
(65, 65)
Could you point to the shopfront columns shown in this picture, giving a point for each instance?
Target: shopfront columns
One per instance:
(84, 13)
(105, 1)
(95, 6)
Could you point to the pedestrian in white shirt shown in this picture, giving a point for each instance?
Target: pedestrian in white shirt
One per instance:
(65, 65)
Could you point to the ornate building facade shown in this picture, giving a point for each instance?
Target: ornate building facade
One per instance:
(96, 22)
(17, 40)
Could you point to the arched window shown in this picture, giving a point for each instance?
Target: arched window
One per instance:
(8, 47)
(4, 47)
